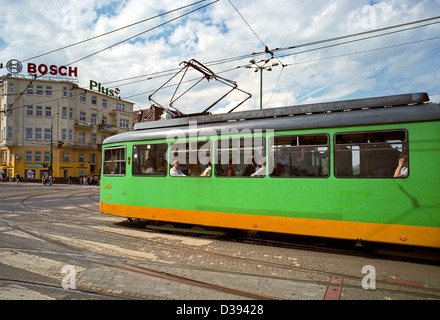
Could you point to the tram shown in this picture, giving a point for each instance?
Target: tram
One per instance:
(364, 169)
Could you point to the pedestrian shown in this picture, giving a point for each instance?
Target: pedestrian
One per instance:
(69, 181)
(17, 177)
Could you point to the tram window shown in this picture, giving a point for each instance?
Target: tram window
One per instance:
(114, 161)
(194, 158)
(373, 154)
(241, 157)
(150, 160)
(299, 156)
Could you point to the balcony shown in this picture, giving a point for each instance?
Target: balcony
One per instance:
(107, 128)
(84, 124)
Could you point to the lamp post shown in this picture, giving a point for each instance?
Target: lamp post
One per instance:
(261, 67)
(51, 152)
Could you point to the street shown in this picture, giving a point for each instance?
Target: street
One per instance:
(55, 244)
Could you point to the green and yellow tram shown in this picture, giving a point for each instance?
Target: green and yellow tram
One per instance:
(365, 169)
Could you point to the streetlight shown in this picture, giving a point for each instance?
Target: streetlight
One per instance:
(260, 68)
(50, 156)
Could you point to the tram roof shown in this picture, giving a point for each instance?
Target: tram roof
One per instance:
(394, 100)
(369, 111)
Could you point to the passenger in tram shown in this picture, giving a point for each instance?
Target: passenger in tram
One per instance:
(175, 170)
(261, 170)
(380, 157)
(208, 170)
(301, 159)
(162, 165)
(250, 168)
(283, 163)
(148, 167)
(402, 168)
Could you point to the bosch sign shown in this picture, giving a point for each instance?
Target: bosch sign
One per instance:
(52, 70)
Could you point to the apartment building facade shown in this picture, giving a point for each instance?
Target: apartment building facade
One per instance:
(46, 124)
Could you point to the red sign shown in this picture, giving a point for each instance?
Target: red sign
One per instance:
(53, 70)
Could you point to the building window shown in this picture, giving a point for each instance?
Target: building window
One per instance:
(92, 158)
(46, 156)
(82, 158)
(29, 134)
(70, 135)
(38, 134)
(104, 103)
(82, 97)
(28, 156)
(10, 132)
(39, 111)
(48, 111)
(11, 88)
(65, 92)
(71, 113)
(37, 156)
(120, 106)
(39, 90)
(94, 118)
(104, 120)
(82, 137)
(373, 154)
(123, 123)
(82, 116)
(64, 134)
(66, 157)
(30, 89)
(300, 156)
(94, 100)
(64, 112)
(93, 138)
(46, 134)
(48, 91)
(30, 111)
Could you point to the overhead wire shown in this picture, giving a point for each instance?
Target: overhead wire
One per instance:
(260, 53)
(113, 31)
(120, 42)
(233, 59)
(141, 33)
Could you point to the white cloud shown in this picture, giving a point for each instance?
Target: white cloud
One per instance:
(33, 27)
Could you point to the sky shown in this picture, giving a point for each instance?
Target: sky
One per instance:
(150, 53)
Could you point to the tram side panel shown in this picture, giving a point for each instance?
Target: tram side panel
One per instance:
(402, 211)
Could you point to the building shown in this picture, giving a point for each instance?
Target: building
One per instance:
(154, 113)
(44, 122)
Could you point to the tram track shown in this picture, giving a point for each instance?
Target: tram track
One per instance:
(432, 293)
(78, 294)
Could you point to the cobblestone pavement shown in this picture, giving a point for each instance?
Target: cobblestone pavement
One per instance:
(55, 244)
